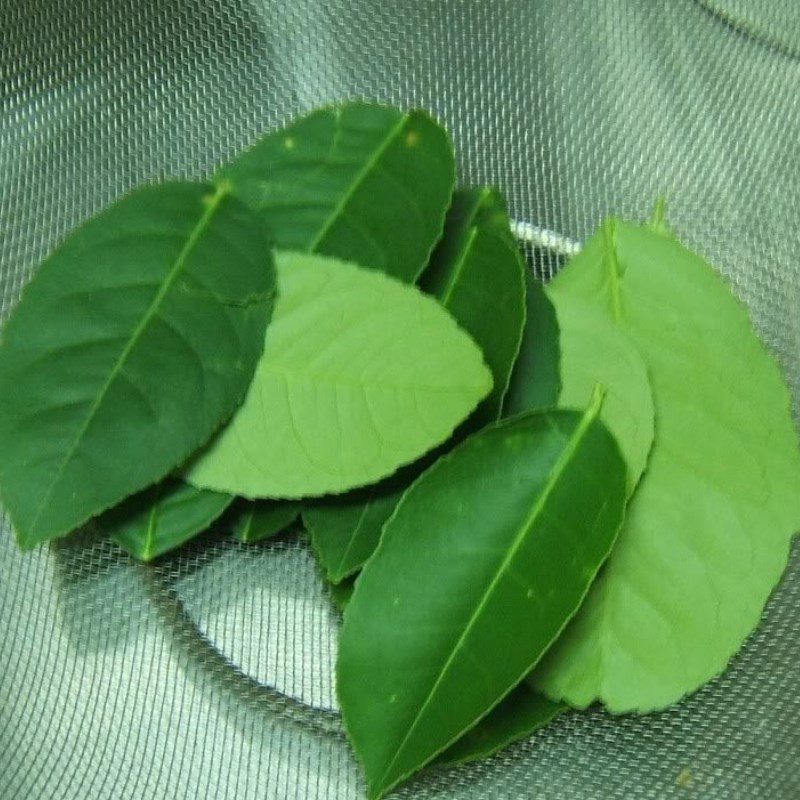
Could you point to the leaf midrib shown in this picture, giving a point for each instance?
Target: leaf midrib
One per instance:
(180, 261)
(590, 415)
(357, 182)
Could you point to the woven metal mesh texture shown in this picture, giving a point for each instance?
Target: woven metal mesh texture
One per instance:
(209, 675)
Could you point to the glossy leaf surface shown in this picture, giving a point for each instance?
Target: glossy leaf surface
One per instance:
(135, 340)
(519, 715)
(488, 555)
(708, 530)
(360, 375)
(362, 182)
(162, 518)
(256, 520)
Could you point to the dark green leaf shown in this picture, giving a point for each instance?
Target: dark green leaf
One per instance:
(345, 530)
(161, 518)
(520, 714)
(535, 382)
(260, 519)
(476, 272)
(137, 337)
(362, 182)
(486, 558)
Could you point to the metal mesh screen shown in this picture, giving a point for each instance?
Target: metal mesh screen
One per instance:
(210, 674)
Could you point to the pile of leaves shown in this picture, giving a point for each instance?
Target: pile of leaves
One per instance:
(525, 497)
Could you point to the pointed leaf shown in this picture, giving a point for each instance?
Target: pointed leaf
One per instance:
(708, 530)
(345, 531)
(488, 555)
(135, 340)
(594, 350)
(161, 518)
(476, 273)
(517, 717)
(360, 374)
(362, 182)
(260, 519)
(535, 383)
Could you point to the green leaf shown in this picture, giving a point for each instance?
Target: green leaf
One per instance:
(488, 555)
(161, 518)
(345, 530)
(520, 714)
(360, 374)
(535, 383)
(594, 350)
(361, 182)
(135, 340)
(476, 273)
(260, 519)
(708, 530)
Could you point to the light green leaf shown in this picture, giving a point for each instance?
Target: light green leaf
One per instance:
(360, 375)
(161, 518)
(708, 530)
(260, 519)
(594, 350)
(476, 273)
(135, 340)
(535, 383)
(362, 182)
(520, 714)
(488, 555)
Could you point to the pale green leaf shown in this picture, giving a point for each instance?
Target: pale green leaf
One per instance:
(708, 530)
(360, 375)
(488, 555)
(476, 273)
(594, 350)
(161, 518)
(134, 341)
(362, 182)
(255, 520)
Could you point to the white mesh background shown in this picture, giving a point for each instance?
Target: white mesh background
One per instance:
(209, 675)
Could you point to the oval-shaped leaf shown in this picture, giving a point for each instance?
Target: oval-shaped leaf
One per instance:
(161, 518)
(488, 555)
(134, 341)
(518, 716)
(476, 273)
(708, 530)
(362, 182)
(596, 351)
(360, 374)
(256, 520)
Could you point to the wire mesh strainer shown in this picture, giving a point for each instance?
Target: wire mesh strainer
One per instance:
(210, 674)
